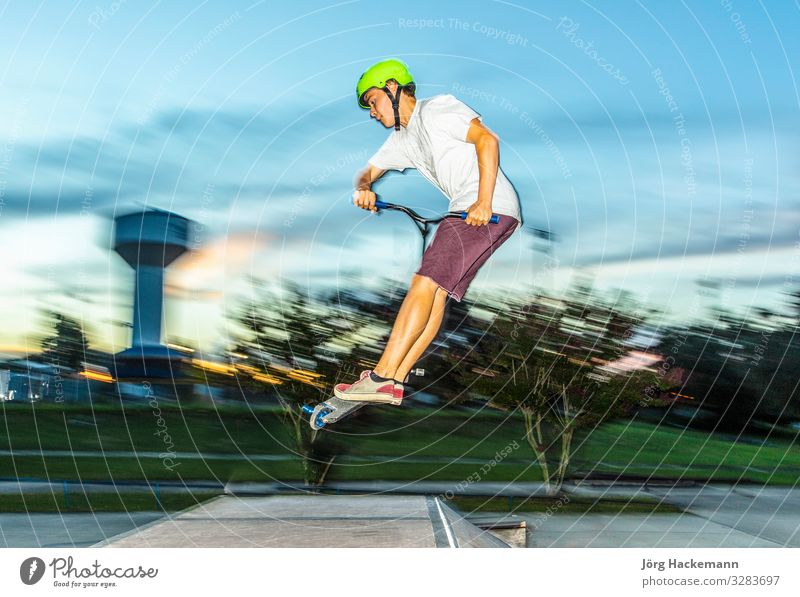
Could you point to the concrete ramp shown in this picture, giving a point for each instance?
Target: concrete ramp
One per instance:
(311, 521)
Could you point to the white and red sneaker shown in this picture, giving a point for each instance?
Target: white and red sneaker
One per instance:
(369, 389)
(342, 387)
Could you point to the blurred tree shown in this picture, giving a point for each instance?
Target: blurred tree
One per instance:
(794, 307)
(549, 374)
(741, 372)
(459, 334)
(66, 348)
(281, 332)
(301, 346)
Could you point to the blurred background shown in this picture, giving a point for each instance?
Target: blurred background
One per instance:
(183, 268)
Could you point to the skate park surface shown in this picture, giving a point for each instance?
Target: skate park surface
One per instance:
(311, 521)
(714, 515)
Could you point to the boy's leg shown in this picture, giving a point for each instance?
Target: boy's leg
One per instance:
(428, 334)
(474, 247)
(448, 266)
(411, 323)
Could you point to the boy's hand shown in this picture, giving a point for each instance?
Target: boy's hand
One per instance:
(365, 199)
(478, 214)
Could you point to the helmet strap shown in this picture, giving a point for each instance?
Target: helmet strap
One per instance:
(395, 99)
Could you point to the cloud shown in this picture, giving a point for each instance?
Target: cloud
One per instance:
(288, 172)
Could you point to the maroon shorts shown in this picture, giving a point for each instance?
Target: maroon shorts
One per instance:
(459, 250)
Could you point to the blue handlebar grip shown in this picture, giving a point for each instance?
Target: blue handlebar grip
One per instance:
(493, 220)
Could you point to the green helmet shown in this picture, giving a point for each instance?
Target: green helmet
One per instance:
(377, 75)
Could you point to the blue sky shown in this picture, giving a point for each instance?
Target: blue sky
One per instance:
(658, 141)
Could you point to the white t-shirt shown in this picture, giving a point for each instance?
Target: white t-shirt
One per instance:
(434, 142)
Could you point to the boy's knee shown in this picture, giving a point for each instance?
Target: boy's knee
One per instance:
(424, 283)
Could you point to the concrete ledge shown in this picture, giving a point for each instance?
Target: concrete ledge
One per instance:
(311, 521)
(467, 534)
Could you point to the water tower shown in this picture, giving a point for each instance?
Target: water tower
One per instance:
(149, 241)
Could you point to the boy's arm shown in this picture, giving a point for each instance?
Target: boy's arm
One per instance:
(487, 146)
(363, 196)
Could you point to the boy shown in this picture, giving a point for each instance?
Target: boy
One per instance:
(446, 142)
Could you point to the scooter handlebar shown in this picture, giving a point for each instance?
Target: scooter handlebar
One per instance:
(493, 220)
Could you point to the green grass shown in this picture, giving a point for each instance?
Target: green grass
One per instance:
(575, 505)
(122, 469)
(384, 443)
(444, 471)
(140, 428)
(77, 501)
(453, 433)
(642, 450)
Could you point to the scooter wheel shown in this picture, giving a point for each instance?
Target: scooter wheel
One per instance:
(318, 422)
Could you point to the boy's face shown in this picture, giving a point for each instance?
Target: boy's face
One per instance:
(380, 108)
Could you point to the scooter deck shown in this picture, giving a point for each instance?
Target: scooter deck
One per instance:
(331, 411)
